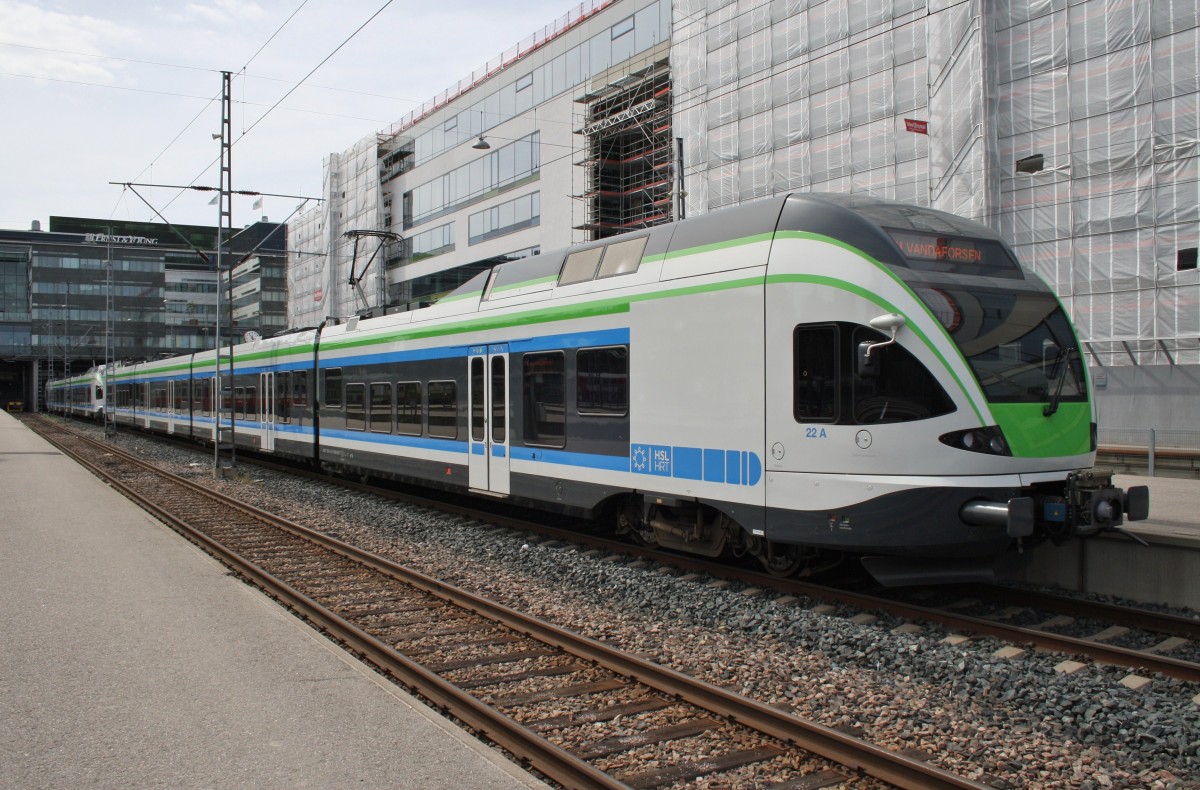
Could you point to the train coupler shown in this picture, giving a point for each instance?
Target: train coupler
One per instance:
(1093, 504)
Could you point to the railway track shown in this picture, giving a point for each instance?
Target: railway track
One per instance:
(548, 696)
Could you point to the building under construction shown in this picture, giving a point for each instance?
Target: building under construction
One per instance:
(630, 153)
(1069, 128)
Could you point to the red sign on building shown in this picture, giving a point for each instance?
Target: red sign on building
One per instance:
(920, 127)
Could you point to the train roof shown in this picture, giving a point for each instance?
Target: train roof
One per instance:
(860, 221)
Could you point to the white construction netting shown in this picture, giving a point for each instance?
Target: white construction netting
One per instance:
(935, 102)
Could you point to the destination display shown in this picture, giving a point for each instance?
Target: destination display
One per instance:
(931, 251)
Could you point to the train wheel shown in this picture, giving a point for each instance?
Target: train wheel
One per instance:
(781, 560)
(630, 521)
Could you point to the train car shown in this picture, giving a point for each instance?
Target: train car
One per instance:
(79, 396)
(266, 394)
(145, 393)
(792, 379)
(796, 380)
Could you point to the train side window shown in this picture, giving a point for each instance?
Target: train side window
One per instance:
(333, 387)
(901, 390)
(622, 257)
(381, 408)
(283, 396)
(499, 399)
(300, 391)
(545, 405)
(478, 410)
(579, 267)
(816, 373)
(443, 409)
(356, 407)
(408, 408)
(602, 381)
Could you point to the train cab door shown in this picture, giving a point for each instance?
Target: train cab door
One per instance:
(266, 410)
(488, 461)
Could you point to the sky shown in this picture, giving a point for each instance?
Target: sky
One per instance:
(128, 91)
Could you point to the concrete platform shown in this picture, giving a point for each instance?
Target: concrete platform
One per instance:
(129, 658)
(1174, 505)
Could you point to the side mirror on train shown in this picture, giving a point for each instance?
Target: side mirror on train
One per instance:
(866, 364)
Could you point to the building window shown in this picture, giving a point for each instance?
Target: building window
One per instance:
(498, 169)
(510, 217)
(434, 241)
(1185, 259)
(1031, 164)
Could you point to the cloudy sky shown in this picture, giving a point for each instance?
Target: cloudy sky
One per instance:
(99, 91)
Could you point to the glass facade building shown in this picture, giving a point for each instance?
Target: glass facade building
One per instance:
(90, 290)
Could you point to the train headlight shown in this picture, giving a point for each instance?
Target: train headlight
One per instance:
(989, 440)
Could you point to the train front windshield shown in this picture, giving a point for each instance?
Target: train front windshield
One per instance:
(1010, 328)
(1019, 345)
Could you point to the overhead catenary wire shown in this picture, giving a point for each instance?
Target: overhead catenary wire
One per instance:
(290, 91)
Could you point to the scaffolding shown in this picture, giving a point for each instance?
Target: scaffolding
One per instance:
(629, 163)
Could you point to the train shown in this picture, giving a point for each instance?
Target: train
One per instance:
(797, 380)
(79, 396)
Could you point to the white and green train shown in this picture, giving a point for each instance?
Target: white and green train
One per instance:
(799, 379)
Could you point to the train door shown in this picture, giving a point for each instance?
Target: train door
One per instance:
(170, 404)
(488, 468)
(266, 410)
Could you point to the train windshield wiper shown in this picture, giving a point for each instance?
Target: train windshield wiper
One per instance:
(1065, 361)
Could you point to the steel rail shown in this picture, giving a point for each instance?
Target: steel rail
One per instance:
(1143, 619)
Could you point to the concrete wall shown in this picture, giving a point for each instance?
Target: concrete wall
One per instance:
(1165, 572)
